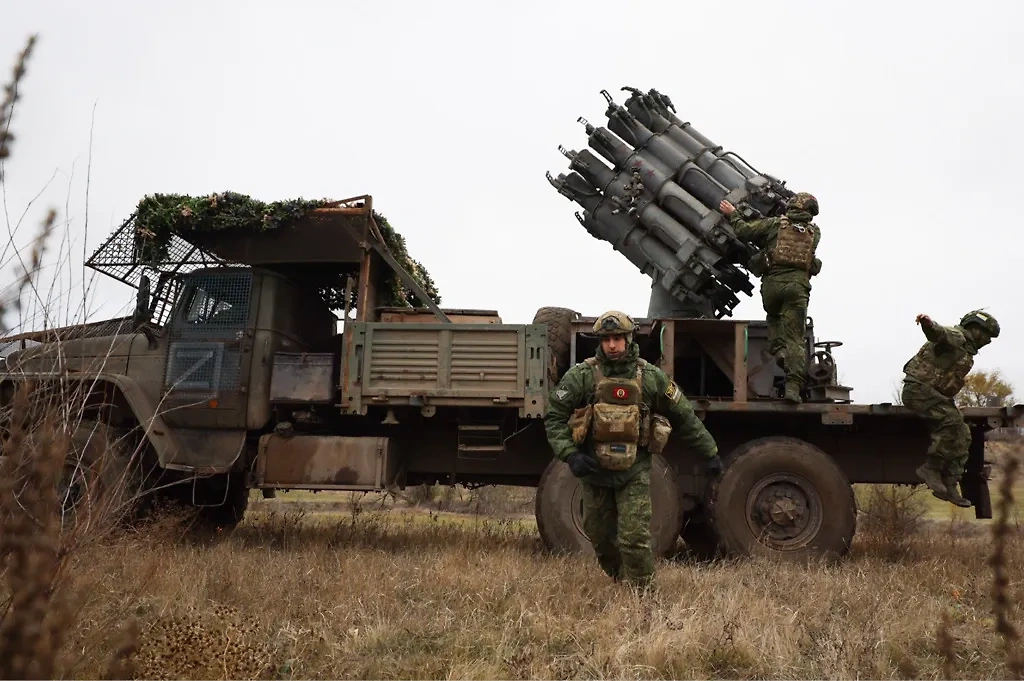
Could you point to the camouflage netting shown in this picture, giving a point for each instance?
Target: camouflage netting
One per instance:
(159, 216)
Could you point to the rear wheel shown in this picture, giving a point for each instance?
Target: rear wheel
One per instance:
(559, 322)
(784, 497)
(559, 509)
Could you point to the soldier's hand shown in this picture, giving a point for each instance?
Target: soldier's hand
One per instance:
(726, 207)
(713, 466)
(581, 464)
(923, 319)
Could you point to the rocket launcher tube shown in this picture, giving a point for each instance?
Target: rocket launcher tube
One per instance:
(689, 271)
(667, 228)
(764, 193)
(655, 176)
(685, 172)
(614, 185)
(700, 154)
(646, 253)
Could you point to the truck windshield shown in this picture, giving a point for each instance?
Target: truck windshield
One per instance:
(218, 300)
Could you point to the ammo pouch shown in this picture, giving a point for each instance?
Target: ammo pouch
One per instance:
(758, 264)
(659, 429)
(616, 433)
(579, 423)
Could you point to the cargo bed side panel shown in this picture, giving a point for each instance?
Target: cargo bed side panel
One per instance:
(445, 364)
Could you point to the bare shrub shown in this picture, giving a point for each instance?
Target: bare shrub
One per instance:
(40, 592)
(891, 517)
(1002, 601)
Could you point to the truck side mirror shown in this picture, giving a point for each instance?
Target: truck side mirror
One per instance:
(141, 315)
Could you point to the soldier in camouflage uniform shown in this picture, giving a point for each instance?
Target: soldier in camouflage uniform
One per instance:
(786, 262)
(605, 418)
(932, 379)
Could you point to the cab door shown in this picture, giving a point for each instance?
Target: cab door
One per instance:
(209, 350)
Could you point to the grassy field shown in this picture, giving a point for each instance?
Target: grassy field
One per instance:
(359, 593)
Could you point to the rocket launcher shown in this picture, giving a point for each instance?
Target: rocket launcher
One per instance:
(652, 191)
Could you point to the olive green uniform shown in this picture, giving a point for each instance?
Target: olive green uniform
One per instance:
(616, 495)
(785, 262)
(933, 377)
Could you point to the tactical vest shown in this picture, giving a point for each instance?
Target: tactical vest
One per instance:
(946, 371)
(616, 421)
(794, 245)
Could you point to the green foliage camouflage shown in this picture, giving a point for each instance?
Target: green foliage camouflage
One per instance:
(158, 217)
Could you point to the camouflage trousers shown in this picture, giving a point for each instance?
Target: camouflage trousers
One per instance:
(618, 522)
(950, 436)
(785, 305)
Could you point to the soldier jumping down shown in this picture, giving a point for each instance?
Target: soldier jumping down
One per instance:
(933, 378)
(605, 418)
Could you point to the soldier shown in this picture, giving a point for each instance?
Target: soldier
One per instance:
(605, 418)
(932, 379)
(785, 263)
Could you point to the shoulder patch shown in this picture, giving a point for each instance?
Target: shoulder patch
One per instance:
(561, 393)
(673, 392)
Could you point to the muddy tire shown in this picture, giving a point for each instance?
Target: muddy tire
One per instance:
(559, 504)
(559, 322)
(781, 496)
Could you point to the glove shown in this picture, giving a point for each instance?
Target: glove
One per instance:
(581, 464)
(713, 466)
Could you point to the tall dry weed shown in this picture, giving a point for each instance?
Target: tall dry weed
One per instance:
(1001, 534)
(40, 597)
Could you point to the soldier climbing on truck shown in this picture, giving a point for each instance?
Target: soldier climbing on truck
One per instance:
(785, 262)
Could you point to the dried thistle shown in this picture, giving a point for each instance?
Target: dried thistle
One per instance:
(38, 616)
(946, 642)
(1000, 580)
(11, 96)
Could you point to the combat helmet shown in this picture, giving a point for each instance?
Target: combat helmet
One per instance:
(805, 201)
(981, 319)
(614, 322)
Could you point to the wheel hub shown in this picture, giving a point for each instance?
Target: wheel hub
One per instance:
(784, 511)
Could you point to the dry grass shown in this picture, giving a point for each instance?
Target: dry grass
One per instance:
(371, 595)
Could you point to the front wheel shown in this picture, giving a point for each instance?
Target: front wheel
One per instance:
(559, 509)
(783, 497)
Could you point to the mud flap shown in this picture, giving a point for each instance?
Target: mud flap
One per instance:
(974, 484)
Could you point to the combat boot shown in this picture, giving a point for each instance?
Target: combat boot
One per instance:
(792, 393)
(930, 472)
(952, 493)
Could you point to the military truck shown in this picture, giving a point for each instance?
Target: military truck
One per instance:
(233, 375)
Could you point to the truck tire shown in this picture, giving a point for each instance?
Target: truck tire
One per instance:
(559, 322)
(559, 504)
(101, 480)
(781, 496)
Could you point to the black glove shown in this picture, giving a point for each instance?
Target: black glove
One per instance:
(713, 466)
(581, 464)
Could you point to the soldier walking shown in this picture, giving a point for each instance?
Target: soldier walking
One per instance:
(785, 263)
(933, 377)
(605, 418)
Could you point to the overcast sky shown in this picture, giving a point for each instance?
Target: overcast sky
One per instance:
(904, 121)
